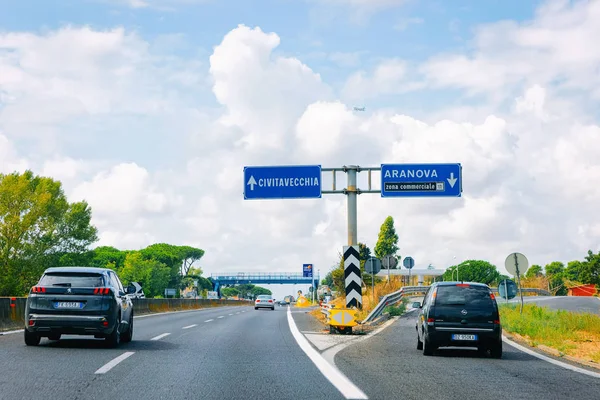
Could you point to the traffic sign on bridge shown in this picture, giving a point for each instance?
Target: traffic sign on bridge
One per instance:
(421, 180)
(282, 182)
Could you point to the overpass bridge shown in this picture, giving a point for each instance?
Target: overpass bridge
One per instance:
(257, 278)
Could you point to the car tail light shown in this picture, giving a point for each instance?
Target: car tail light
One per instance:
(270, 301)
(102, 290)
(497, 321)
(31, 322)
(38, 289)
(105, 323)
(492, 296)
(430, 320)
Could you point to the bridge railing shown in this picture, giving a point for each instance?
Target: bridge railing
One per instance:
(261, 275)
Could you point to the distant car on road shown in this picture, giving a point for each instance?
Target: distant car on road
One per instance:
(79, 301)
(459, 314)
(264, 301)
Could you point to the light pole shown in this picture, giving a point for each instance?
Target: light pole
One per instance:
(465, 264)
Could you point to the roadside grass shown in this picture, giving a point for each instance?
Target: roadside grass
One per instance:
(573, 334)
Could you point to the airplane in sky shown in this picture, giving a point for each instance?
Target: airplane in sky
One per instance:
(359, 108)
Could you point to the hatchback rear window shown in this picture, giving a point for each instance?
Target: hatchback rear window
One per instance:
(72, 279)
(476, 296)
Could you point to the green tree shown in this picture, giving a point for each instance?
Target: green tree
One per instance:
(108, 257)
(387, 240)
(473, 271)
(590, 270)
(534, 270)
(189, 256)
(37, 226)
(555, 272)
(152, 275)
(230, 292)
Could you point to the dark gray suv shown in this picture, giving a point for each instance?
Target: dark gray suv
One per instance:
(459, 314)
(79, 301)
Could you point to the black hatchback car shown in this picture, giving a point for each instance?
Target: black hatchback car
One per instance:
(462, 314)
(79, 301)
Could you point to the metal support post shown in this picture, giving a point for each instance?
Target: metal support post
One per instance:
(351, 192)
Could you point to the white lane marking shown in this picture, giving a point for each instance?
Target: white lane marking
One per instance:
(113, 363)
(160, 336)
(208, 320)
(333, 375)
(237, 313)
(330, 353)
(189, 326)
(11, 332)
(178, 312)
(222, 316)
(550, 360)
(230, 314)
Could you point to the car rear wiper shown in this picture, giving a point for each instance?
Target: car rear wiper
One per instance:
(65, 284)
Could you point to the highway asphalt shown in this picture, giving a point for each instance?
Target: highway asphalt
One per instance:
(240, 353)
(231, 353)
(568, 303)
(390, 363)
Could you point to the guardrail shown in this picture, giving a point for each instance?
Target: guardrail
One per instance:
(395, 297)
(12, 309)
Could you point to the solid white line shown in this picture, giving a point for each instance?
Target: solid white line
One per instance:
(208, 320)
(113, 363)
(11, 332)
(222, 316)
(550, 360)
(160, 336)
(333, 375)
(179, 312)
(189, 326)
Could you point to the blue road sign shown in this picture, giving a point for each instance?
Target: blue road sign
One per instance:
(408, 262)
(507, 289)
(307, 270)
(282, 182)
(421, 180)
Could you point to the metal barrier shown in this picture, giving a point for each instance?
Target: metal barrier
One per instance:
(395, 297)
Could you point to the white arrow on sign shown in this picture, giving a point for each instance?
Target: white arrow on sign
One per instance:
(452, 180)
(251, 182)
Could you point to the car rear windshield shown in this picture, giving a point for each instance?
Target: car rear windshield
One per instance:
(72, 279)
(264, 297)
(477, 296)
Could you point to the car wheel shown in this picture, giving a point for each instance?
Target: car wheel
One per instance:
(496, 350)
(419, 343)
(428, 348)
(273, 308)
(256, 308)
(113, 339)
(127, 336)
(32, 338)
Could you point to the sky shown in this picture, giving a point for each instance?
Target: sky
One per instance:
(150, 109)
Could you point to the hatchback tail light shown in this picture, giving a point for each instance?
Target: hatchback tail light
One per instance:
(102, 290)
(430, 320)
(38, 289)
(497, 321)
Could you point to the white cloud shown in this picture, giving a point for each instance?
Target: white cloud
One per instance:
(529, 167)
(559, 45)
(388, 77)
(405, 23)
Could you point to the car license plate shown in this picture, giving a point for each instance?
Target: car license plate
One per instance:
(464, 337)
(67, 304)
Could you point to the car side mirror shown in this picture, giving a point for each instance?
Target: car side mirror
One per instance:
(130, 289)
(416, 304)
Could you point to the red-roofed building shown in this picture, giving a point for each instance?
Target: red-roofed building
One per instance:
(583, 290)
